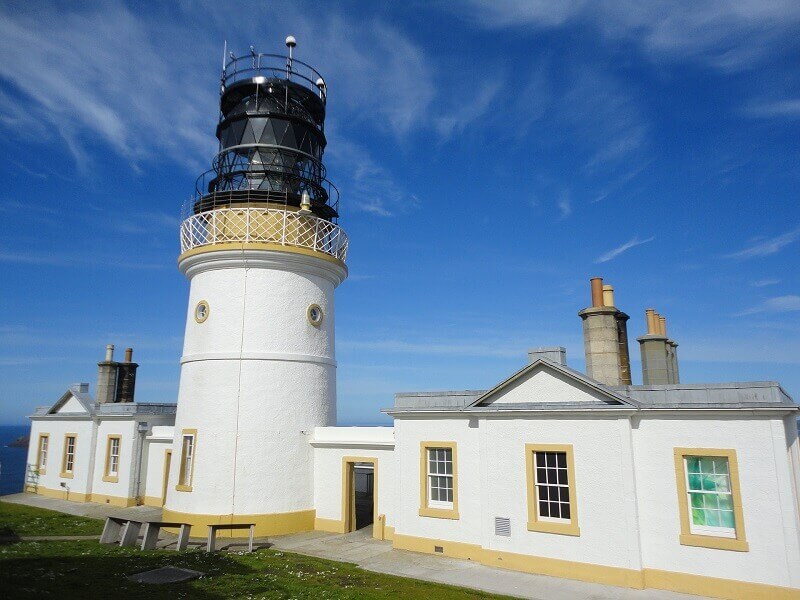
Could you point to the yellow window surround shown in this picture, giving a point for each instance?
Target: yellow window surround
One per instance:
(687, 538)
(424, 509)
(64, 472)
(182, 485)
(42, 469)
(107, 475)
(536, 523)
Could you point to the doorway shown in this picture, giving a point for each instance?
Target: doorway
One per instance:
(359, 489)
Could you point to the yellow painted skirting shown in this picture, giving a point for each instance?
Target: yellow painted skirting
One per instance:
(152, 501)
(715, 587)
(329, 525)
(631, 578)
(62, 494)
(266, 524)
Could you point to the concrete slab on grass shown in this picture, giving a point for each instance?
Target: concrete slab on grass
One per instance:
(165, 575)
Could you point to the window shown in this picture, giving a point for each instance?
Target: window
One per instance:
(201, 311)
(187, 461)
(112, 459)
(68, 462)
(708, 496)
(41, 458)
(552, 504)
(438, 480)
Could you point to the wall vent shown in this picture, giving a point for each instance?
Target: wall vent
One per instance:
(502, 526)
(438, 549)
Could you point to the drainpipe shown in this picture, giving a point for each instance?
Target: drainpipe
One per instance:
(141, 431)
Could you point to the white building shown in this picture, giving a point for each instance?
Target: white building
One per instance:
(683, 487)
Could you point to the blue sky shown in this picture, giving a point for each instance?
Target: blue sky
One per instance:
(492, 156)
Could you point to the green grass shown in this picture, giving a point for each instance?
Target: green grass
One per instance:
(19, 520)
(85, 569)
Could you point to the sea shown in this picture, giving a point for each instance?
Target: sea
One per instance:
(12, 460)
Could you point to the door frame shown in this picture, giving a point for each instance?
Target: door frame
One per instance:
(349, 492)
(165, 484)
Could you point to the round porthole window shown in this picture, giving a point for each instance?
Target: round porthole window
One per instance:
(201, 311)
(314, 314)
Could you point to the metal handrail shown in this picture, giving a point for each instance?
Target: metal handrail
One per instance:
(263, 225)
(286, 70)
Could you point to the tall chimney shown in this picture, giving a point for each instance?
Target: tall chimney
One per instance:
(605, 337)
(657, 365)
(126, 380)
(107, 377)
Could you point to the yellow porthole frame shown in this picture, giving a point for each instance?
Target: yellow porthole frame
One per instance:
(311, 308)
(200, 319)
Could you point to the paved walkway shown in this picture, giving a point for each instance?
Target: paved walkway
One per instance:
(373, 555)
(85, 509)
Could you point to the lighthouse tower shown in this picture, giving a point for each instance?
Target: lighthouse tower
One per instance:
(263, 253)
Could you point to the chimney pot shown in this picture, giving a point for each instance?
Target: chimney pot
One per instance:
(608, 295)
(650, 315)
(597, 291)
(662, 325)
(128, 355)
(109, 352)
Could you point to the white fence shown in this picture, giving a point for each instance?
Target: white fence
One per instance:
(263, 225)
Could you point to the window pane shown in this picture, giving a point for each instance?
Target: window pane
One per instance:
(721, 465)
(448, 468)
(562, 477)
(564, 494)
(696, 500)
(541, 475)
(552, 476)
(708, 483)
(722, 483)
(725, 502)
(544, 510)
(706, 464)
(712, 518)
(562, 460)
(698, 516)
(695, 482)
(551, 459)
(710, 501)
(726, 519)
(554, 510)
(565, 511)
(450, 495)
(693, 464)
(542, 492)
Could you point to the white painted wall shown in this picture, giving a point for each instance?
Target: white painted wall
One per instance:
(127, 429)
(766, 490)
(58, 428)
(361, 442)
(546, 385)
(156, 447)
(256, 378)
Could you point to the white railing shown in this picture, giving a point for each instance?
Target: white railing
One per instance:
(263, 225)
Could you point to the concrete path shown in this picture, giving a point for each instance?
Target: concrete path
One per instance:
(85, 509)
(373, 555)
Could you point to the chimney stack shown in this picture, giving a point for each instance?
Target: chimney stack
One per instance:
(659, 353)
(605, 337)
(556, 354)
(116, 381)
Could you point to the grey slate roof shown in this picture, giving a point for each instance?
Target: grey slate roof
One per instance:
(81, 393)
(742, 396)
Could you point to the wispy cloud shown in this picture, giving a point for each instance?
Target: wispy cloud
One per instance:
(456, 121)
(723, 35)
(766, 247)
(615, 252)
(565, 204)
(779, 304)
(59, 260)
(759, 283)
(771, 109)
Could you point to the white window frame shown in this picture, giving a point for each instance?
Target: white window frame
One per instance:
(69, 453)
(430, 478)
(541, 454)
(113, 458)
(716, 531)
(187, 459)
(44, 446)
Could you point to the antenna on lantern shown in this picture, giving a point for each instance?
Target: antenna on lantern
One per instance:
(290, 43)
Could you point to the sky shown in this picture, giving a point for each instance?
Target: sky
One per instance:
(491, 158)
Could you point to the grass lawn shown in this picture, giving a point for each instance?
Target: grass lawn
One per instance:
(17, 520)
(86, 570)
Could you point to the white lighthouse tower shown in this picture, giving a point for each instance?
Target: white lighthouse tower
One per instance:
(262, 250)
